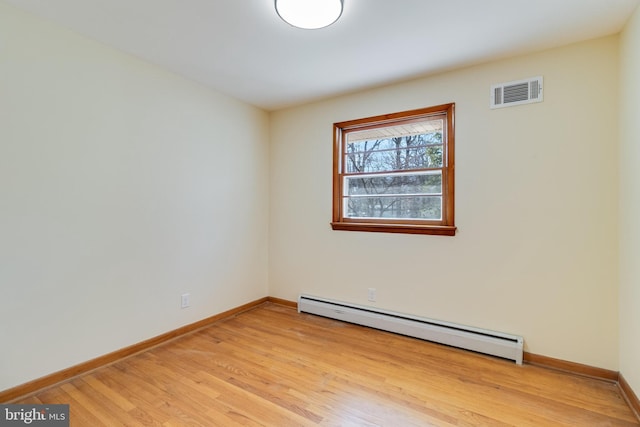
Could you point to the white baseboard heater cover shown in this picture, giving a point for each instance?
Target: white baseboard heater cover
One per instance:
(480, 340)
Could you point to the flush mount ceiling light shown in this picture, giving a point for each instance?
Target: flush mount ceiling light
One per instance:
(309, 14)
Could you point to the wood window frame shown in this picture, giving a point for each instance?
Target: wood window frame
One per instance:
(445, 226)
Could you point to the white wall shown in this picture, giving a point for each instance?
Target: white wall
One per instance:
(630, 203)
(121, 187)
(536, 206)
(118, 193)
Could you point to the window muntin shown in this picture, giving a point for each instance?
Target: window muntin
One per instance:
(395, 171)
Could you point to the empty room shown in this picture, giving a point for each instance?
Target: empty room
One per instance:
(405, 213)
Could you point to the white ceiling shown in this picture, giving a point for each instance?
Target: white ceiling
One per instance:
(243, 49)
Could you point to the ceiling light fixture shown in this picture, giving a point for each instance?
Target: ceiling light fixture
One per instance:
(309, 14)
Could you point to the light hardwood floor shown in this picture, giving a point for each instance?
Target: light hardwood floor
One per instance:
(271, 366)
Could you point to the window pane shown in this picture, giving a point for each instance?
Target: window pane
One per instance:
(395, 142)
(406, 128)
(408, 158)
(416, 207)
(394, 184)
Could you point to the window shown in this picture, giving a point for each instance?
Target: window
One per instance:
(395, 173)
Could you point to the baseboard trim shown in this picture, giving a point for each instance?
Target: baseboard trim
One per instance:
(23, 390)
(571, 367)
(630, 396)
(31, 387)
(284, 302)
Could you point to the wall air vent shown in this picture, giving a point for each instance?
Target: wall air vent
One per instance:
(516, 93)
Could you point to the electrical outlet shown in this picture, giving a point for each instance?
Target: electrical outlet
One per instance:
(184, 300)
(371, 294)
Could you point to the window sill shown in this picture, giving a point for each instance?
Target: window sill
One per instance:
(437, 230)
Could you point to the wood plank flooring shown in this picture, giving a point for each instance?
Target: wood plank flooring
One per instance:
(271, 366)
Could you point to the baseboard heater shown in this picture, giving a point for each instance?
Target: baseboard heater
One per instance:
(480, 340)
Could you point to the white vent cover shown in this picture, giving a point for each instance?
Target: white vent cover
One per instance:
(516, 93)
